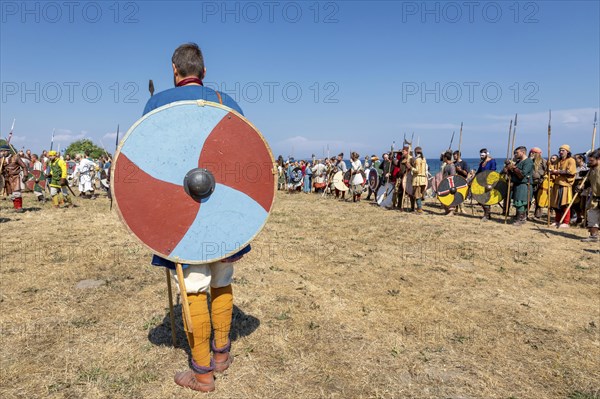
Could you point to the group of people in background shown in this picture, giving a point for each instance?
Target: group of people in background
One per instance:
(51, 175)
(568, 186)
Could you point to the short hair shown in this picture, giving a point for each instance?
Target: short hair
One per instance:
(188, 60)
(483, 150)
(456, 152)
(521, 148)
(595, 154)
(448, 155)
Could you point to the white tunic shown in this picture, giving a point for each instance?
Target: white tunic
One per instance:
(357, 178)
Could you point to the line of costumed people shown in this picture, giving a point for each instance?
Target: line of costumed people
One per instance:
(50, 175)
(568, 184)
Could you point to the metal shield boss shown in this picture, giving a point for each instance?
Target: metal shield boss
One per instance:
(194, 181)
(488, 187)
(453, 190)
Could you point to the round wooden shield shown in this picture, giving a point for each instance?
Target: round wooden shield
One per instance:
(348, 177)
(338, 181)
(373, 179)
(31, 178)
(453, 190)
(296, 177)
(488, 187)
(147, 181)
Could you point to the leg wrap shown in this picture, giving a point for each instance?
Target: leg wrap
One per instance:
(222, 310)
(200, 340)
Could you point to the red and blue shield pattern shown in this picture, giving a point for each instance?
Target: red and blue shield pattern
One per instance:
(152, 161)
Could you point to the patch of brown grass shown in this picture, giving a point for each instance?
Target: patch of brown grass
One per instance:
(336, 300)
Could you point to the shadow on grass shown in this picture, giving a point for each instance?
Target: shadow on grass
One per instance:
(557, 232)
(242, 325)
(4, 220)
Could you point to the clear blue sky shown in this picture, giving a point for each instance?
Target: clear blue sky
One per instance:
(349, 75)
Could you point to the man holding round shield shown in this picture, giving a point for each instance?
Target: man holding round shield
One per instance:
(188, 72)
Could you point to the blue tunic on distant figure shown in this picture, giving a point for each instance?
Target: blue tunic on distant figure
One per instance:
(491, 165)
(190, 92)
(307, 178)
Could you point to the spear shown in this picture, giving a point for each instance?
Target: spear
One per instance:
(11, 132)
(460, 137)
(52, 140)
(548, 168)
(512, 150)
(451, 140)
(117, 139)
(593, 134)
(151, 87)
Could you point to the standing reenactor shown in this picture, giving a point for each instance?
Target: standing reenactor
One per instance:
(448, 170)
(58, 180)
(486, 163)
(564, 175)
(538, 176)
(419, 178)
(340, 165)
(14, 172)
(520, 176)
(593, 211)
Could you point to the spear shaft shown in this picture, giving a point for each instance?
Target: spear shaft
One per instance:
(507, 210)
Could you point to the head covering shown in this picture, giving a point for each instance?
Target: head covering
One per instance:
(52, 153)
(4, 148)
(565, 147)
(537, 150)
(374, 158)
(418, 149)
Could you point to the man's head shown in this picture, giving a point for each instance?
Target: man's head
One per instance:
(386, 156)
(483, 154)
(4, 150)
(564, 151)
(340, 156)
(418, 151)
(594, 159)
(52, 155)
(447, 157)
(456, 155)
(535, 152)
(520, 152)
(187, 62)
(34, 157)
(553, 158)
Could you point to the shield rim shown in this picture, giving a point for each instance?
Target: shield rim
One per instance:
(200, 103)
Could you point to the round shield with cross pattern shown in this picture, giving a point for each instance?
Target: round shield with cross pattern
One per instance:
(194, 181)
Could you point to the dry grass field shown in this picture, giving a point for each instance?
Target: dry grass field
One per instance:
(336, 300)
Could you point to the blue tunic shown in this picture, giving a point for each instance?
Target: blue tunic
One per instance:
(491, 165)
(190, 92)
